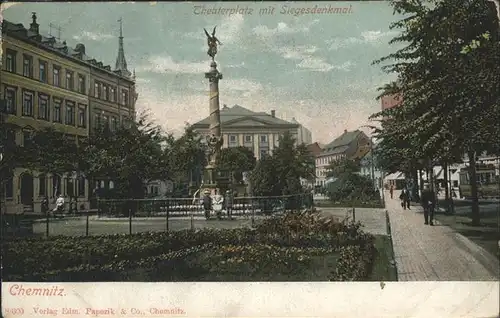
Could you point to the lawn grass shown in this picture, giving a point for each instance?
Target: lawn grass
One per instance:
(382, 269)
(486, 235)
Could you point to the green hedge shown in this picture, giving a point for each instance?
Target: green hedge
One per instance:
(283, 246)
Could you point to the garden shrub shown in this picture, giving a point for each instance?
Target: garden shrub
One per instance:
(278, 246)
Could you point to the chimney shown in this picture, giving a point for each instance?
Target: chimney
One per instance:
(34, 25)
(273, 113)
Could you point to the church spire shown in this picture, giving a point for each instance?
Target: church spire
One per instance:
(121, 64)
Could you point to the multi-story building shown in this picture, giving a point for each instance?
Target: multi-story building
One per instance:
(112, 97)
(45, 83)
(315, 150)
(258, 131)
(304, 135)
(351, 145)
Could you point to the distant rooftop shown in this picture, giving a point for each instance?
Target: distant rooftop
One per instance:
(228, 114)
(341, 143)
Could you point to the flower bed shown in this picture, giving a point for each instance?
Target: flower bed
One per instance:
(278, 248)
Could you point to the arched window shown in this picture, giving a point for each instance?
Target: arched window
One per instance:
(70, 187)
(56, 185)
(81, 186)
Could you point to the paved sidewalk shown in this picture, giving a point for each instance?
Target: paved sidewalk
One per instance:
(427, 253)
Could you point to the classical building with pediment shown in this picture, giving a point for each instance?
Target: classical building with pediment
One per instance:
(258, 131)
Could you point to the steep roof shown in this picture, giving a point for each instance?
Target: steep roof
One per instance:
(18, 31)
(341, 143)
(228, 114)
(314, 148)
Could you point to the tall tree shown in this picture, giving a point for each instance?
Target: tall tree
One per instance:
(50, 151)
(130, 156)
(186, 158)
(451, 98)
(281, 172)
(237, 160)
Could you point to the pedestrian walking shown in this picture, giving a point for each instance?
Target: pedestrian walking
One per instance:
(428, 203)
(403, 197)
(207, 204)
(408, 197)
(391, 190)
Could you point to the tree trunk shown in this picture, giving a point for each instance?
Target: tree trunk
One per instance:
(414, 190)
(473, 188)
(446, 185)
(421, 178)
(430, 176)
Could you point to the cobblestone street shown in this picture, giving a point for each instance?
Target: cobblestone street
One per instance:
(427, 253)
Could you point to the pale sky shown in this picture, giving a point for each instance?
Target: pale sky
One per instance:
(314, 67)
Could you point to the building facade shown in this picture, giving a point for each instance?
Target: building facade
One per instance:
(258, 131)
(304, 135)
(45, 83)
(351, 145)
(315, 150)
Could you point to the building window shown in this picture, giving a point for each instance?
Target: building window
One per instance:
(43, 107)
(96, 90)
(125, 97)
(81, 186)
(27, 103)
(28, 66)
(112, 94)
(248, 138)
(56, 76)
(43, 71)
(97, 121)
(69, 80)
(81, 84)
(82, 118)
(57, 118)
(114, 123)
(70, 113)
(10, 60)
(10, 100)
(105, 120)
(42, 185)
(263, 153)
(263, 138)
(70, 189)
(27, 135)
(233, 139)
(105, 92)
(10, 138)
